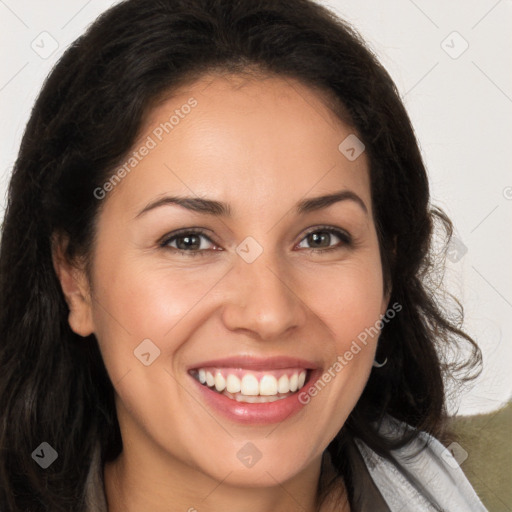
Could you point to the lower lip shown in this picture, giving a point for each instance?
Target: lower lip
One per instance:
(255, 414)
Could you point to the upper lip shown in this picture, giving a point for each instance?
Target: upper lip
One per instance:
(257, 363)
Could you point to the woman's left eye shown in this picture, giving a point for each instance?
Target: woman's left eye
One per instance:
(320, 239)
(190, 242)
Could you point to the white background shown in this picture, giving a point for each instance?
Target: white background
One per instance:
(460, 105)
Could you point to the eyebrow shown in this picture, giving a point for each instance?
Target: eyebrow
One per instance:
(219, 209)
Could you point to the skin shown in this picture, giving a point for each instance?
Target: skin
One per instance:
(260, 145)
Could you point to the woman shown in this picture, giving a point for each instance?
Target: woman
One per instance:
(214, 275)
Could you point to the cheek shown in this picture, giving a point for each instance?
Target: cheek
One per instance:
(138, 301)
(348, 299)
(350, 304)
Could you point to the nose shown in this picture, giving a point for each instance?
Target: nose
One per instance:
(263, 300)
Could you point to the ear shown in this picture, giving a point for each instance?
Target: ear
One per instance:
(75, 287)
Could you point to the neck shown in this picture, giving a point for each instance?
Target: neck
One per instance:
(141, 483)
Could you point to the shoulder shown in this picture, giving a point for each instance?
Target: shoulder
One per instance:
(422, 476)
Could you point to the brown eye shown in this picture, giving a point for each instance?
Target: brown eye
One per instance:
(184, 242)
(319, 239)
(188, 242)
(322, 239)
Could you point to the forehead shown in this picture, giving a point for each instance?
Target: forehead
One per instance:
(242, 139)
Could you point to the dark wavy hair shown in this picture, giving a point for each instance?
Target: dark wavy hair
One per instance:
(53, 383)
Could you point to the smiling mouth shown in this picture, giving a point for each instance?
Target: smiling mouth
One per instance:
(253, 386)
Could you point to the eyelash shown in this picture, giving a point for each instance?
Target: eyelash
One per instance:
(345, 238)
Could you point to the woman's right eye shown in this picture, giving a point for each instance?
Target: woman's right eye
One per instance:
(187, 242)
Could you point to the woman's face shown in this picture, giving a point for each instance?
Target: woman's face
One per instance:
(276, 285)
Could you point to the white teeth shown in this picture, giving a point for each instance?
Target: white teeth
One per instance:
(283, 385)
(268, 388)
(268, 385)
(294, 382)
(302, 379)
(233, 384)
(250, 385)
(220, 382)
